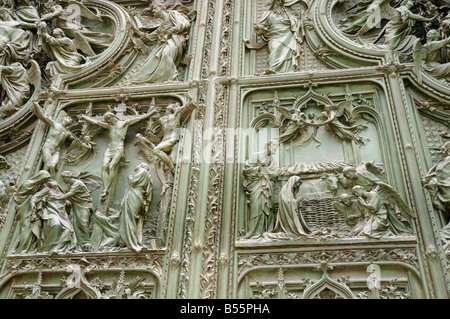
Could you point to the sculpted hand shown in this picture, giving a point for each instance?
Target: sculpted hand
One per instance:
(35, 106)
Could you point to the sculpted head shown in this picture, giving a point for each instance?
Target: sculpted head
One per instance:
(277, 4)
(445, 149)
(42, 176)
(172, 107)
(433, 35)
(110, 118)
(358, 190)
(53, 185)
(409, 4)
(58, 33)
(446, 24)
(142, 165)
(66, 121)
(5, 15)
(49, 7)
(66, 176)
(345, 199)
(156, 9)
(297, 181)
(349, 172)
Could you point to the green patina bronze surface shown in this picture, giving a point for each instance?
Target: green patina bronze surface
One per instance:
(225, 149)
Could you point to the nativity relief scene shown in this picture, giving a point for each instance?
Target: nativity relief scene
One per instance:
(224, 149)
(296, 190)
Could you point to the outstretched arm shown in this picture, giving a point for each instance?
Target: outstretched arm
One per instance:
(94, 122)
(50, 16)
(73, 136)
(36, 109)
(419, 18)
(436, 45)
(137, 119)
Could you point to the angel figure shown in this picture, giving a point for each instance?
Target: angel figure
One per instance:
(298, 122)
(366, 174)
(364, 9)
(171, 38)
(351, 207)
(283, 33)
(15, 82)
(377, 220)
(369, 176)
(345, 132)
(398, 30)
(170, 124)
(436, 63)
(63, 52)
(89, 42)
(296, 125)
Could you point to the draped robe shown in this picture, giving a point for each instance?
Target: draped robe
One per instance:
(81, 211)
(56, 230)
(65, 57)
(161, 65)
(27, 240)
(135, 206)
(259, 173)
(289, 224)
(14, 81)
(284, 49)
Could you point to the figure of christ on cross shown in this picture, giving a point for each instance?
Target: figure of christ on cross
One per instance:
(115, 152)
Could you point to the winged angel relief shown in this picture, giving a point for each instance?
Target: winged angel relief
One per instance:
(298, 123)
(418, 30)
(47, 36)
(170, 35)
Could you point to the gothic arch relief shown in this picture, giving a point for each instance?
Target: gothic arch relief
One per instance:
(321, 275)
(284, 140)
(83, 278)
(142, 138)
